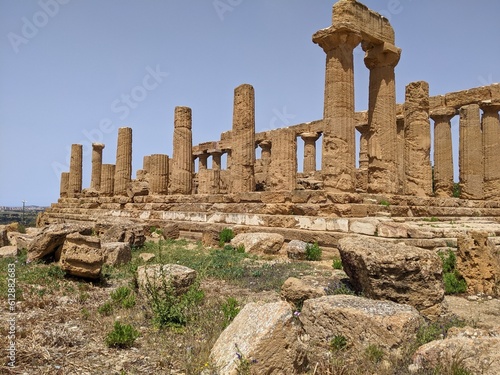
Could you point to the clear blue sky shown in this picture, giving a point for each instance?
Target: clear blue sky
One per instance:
(67, 67)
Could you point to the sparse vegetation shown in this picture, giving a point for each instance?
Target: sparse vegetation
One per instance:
(225, 236)
(454, 283)
(338, 342)
(384, 203)
(337, 264)
(122, 336)
(313, 252)
(230, 308)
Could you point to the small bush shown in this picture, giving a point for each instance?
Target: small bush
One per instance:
(337, 264)
(225, 236)
(105, 309)
(454, 283)
(230, 309)
(338, 342)
(384, 203)
(457, 190)
(122, 336)
(313, 252)
(124, 297)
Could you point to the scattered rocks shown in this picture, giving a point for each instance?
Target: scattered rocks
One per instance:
(82, 256)
(296, 249)
(297, 291)
(146, 257)
(180, 278)
(8, 251)
(116, 253)
(267, 243)
(123, 232)
(395, 272)
(264, 334)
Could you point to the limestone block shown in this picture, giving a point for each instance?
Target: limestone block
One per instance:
(392, 230)
(364, 226)
(297, 291)
(478, 261)
(296, 249)
(126, 232)
(180, 278)
(495, 92)
(267, 243)
(361, 321)
(146, 257)
(395, 272)
(4, 241)
(116, 253)
(137, 189)
(82, 256)
(8, 251)
(337, 225)
(264, 334)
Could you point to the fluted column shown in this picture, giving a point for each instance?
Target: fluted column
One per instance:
(417, 154)
(382, 170)
(203, 174)
(158, 175)
(362, 177)
(216, 168)
(95, 182)
(471, 153)
(107, 180)
(123, 166)
(243, 140)
(339, 159)
(63, 191)
(283, 168)
(75, 171)
(491, 144)
(443, 151)
(182, 163)
(400, 153)
(309, 151)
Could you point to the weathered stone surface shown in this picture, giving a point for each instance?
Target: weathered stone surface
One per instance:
(296, 249)
(123, 166)
(52, 238)
(170, 231)
(395, 272)
(392, 230)
(180, 278)
(75, 171)
(95, 180)
(4, 241)
(146, 257)
(476, 350)
(182, 158)
(366, 226)
(491, 143)
(478, 261)
(443, 151)
(298, 290)
(360, 320)
(82, 256)
(283, 167)
(265, 334)
(116, 253)
(8, 251)
(107, 179)
(126, 232)
(137, 188)
(267, 243)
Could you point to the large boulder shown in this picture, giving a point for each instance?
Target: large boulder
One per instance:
(8, 251)
(475, 350)
(266, 335)
(179, 277)
(360, 321)
(4, 240)
(478, 261)
(297, 291)
(51, 239)
(267, 243)
(116, 253)
(123, 232)
(296, 249)
(82, 256)
(396, 272)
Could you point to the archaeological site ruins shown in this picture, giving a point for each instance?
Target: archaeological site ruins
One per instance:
(260, 189)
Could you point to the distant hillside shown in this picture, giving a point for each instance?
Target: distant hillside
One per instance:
(15, 214)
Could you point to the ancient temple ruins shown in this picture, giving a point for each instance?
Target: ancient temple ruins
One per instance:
(394, 153)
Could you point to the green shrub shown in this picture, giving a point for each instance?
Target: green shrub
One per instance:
(122, 336)
(384, 203)
(436, 330)
(338, 342)
(124, 297)
(230, 309)
(457, 190)
(337, 263)
(313, 251)
(454, 283)
(449, 261)
(225, 236)
(105, 309)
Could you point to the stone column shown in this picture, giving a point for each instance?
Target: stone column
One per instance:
(309, 151)
(216, 168)
(243, 140)
(95, 182)
(382, 171)
(182, 164)
(400, 152)
(123, 166)
(107, 180)
(417, 155)
(203, 174)
(158, 175)
(283, 169)
(75, 171)
(443, 151)
(471, 153)
(339, 159)
(491, 144)
(63, 191)
(362, 179)
(146, 161)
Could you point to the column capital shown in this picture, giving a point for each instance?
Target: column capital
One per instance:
(446, 113)
(489, 107)
(310, 136)
(215, 152)
(381, 55)
(265, 144)
(331, 38)
(98, 146)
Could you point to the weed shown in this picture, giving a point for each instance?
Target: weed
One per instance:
(338, 342)
(313, 252)
(374, 353)
(105, 309)
(384, 203)
(225, 236)
(457, 190)
(124, 297)
(122, 336)
(431, 219)
(453, 282)
(55, 272)
(337, 264)
(437, 330)
(85, 314)
(230, 309)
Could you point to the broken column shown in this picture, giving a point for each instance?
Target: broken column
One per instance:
(107, 180)
(309, 151)
(283, 169)
(182, 158)
(417, 158)
(491, 144)
(443, 151)
(381, 59)
(471, 153)
(339, 159)
(95, 182)
(75, 171)
(123, 166)
(158, 175)
(243, 140)
(63, 191)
